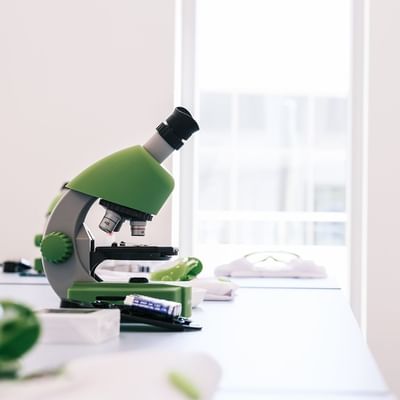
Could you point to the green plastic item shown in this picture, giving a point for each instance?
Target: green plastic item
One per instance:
(186, 270)
(56, 247)
(19, 331)
(184, 385)
(130, 178)
(116, 293)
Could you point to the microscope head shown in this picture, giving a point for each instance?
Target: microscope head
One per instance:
(131, 184)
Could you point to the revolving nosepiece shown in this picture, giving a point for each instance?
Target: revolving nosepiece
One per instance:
(116, 215)
(112, 222)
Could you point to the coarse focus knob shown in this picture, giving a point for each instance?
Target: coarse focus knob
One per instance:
(56, 247)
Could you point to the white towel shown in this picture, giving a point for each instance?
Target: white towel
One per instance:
(217, 288)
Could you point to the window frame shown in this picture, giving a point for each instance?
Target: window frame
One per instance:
(356, 184)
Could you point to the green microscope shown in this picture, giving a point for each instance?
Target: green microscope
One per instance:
(132, 186)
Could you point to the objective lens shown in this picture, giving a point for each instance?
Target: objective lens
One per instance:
(138, 228)
(110, 220)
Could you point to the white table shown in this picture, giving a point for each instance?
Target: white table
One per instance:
(34, 291)
(271, 343)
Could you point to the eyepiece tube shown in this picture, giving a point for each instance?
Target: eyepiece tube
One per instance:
(171, 135)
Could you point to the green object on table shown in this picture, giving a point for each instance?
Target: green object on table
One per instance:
(186, 270)
(19, 331)
(184, 385)
(116, 292)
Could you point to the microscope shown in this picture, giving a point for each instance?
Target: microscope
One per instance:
(132, 186)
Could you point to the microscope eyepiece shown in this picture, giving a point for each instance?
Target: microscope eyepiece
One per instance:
(171, 135)
(179, 127)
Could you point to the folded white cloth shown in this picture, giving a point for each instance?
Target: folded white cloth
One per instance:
(217, 288)
(271, 268)
(147, 375)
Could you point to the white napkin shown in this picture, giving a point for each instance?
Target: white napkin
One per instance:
(217, 288)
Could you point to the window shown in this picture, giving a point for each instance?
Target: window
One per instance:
(272, 96)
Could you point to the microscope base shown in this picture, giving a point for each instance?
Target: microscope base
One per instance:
(115, 293)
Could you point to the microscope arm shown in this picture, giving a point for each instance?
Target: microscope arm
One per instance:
(68, 243)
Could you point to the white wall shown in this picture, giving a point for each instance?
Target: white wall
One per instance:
(383, 208)
(79, 79)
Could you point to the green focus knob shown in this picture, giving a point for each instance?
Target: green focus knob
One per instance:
(56, 247)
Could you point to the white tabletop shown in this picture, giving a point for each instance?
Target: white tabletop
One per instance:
(268, 342)
(16, 279)
(279, 338)
(33, 291)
